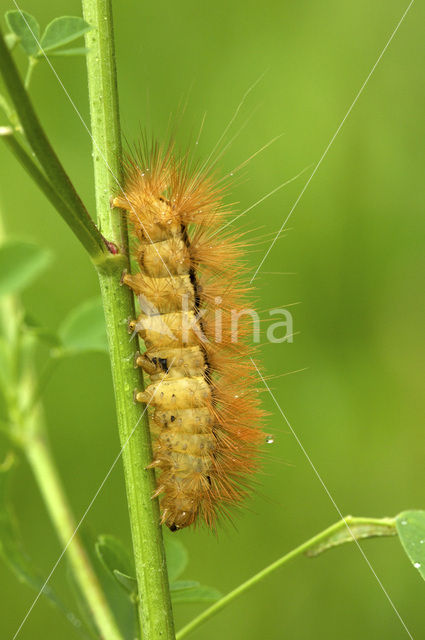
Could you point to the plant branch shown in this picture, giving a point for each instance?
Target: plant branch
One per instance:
(31, 64)
(346, 530)
(76, 215)
(39, 458)
(7, 135)
(26, 429)
(154, 604)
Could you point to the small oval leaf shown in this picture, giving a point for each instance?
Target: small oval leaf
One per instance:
(128, 582)
(76, 51)
(84, 329)
(63, 30)
(20, 263)
(193, 593)
(114, 557)
(411, 531)
(180, 585)
(177, 557)
(352, 529)
(26, 27)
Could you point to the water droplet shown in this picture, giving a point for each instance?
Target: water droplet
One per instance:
(269, 439)
(421, 541)
(403, 522)
(417, 565)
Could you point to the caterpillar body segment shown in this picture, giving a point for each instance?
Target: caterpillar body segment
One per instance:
(204, 412)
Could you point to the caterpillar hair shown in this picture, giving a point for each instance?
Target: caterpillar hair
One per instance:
(205, 415)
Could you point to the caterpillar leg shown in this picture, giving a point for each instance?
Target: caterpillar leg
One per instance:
(141, 396)
(120, 202)
(132, 326)
(148, 365)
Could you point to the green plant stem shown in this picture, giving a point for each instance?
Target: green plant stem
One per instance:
(31, 64)
(154, 605)
(76, 215)
(387, 524)
(41, 463)
(29, 434)
(9, 112)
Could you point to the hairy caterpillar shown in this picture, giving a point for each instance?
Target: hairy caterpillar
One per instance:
(206, 419)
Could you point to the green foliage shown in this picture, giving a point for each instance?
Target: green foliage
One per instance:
(128, 582)
(26, 29)
(410, 525)
(117, 561)
(356, 530)
(20, 264)
(62, 31)
(75, 51)
(192, 592)
(58, 32)
(411, 530)
(104, 552)
(81, 331)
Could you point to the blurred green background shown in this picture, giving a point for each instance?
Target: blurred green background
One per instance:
(355, 249)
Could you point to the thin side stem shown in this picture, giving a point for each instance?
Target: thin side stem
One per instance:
(26, 428)
(348, 522)
(7, 135)
(76, 216)
(154, 605)
(31, 64)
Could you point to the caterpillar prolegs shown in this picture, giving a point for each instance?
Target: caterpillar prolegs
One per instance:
(204, 409)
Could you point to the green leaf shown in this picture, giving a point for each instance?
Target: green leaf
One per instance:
(358, 531)
(20, 263)
(177, 557)
(188, 591)
(84, 329)
(76, 51)
(128, 582)
(63, 30)
(119, 600)
(26, 27)
(180, 585)
(115, 558)
(411, 530)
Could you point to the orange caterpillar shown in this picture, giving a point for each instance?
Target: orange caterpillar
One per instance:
(206, 417)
